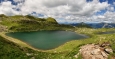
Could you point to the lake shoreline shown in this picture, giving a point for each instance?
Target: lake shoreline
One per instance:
(16, 41)
(24, 44)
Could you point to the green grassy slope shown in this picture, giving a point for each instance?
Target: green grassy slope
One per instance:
(30, 23)
(9, 50)
(66, 51)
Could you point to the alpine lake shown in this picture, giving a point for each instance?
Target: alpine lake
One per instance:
(46, 40)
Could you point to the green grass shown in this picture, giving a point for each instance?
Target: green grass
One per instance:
(29, 23)
(66, 51)
(10, 51)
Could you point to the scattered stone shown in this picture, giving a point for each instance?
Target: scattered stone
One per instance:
(33, 58)
(55, 51)
(104, 54)
(76, 56)
(29, 54)
(105, 44)
(108, 50)
(3, 28)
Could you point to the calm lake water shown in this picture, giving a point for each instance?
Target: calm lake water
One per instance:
(46, 40)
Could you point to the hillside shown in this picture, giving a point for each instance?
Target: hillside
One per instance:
(69, 50)
(11, 50)
(95, 25)
(83, 25)
(30, 23)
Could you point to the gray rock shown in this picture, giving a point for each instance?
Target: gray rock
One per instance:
(104, 54)
(29, 54)
(92, 51)
(95, 52)
(33, 58)
(99, 57)
(109, 50)
(76, 56)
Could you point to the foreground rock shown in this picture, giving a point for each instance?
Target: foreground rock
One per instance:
(92, 51)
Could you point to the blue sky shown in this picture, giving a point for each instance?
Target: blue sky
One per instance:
(64, 11)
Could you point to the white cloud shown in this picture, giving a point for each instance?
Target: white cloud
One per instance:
(69, 10)
(114, 3)
(86, 9)
(18, 1)
(7, 8)
(101, 17)
(111, 8)
(54, 3)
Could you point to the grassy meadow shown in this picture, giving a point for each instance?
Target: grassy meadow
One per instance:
(15, 49)
(65, 51)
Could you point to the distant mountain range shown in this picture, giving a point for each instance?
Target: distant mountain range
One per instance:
(98, 25)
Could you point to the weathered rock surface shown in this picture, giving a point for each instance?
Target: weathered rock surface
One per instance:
(3, 28)
(92, 51)
(108, 50)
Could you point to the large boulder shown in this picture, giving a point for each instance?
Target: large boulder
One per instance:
(92, 51)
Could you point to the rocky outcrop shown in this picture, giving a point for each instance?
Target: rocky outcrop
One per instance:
(3, 28)
(93, 51)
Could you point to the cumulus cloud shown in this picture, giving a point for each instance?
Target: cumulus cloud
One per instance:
(18, 1)
(61, 10)
(86, 9)
(7, 8)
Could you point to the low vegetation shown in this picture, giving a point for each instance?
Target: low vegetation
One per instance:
(30, 23)
(68, 50)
